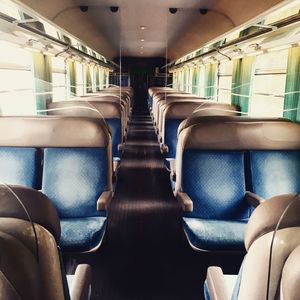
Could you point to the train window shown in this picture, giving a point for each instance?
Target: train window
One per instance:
(225, 81)
(79, 79)
(195, 80)
(15, 63)
(42, 79)
(71, 77)
(269, 85)
(59, 79)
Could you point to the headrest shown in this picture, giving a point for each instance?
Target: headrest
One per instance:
(267, 215)
(53, 131)
(38, 206)
(155, 90)
(163, 94)
(123, 94)
(181, 109)
(209, 108)
(240, 133)
(170, 96)
(106, 109)
(103, 97)
(290, 279)
(20, 276)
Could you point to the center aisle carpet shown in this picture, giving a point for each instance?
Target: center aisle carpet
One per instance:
(144, 254)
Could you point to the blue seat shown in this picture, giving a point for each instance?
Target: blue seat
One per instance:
(177, 111)
(74, 178)
(275, 172)
(76, 171)
(280, 270)
(20, 166)
(108, 107)
(218, 160)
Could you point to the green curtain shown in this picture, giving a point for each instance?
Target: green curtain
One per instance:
(185, 79)
(241, 82)
(96, 69)
(42, 66)
(210, 80)
(72, 76)
(195, 81)
(88, 79)
(292, 87)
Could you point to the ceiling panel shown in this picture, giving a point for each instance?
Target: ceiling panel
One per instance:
(184, 31)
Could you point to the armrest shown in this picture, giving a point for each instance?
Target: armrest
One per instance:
(172, 169)
(104, 200)
(121, 147)
(81, 283)
(164, 148)
(185, 201)
(253, 199)
(116, 165)
(216, 284)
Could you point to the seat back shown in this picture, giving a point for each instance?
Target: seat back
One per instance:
(277, 261)
(77, 161)
(209, 108)
(171, 115)
(212, 165)
(157, 108)
(20, 165)
(177, 112)
(112, 113)
(30, 262)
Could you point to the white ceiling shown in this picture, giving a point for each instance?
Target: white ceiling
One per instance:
(182, 32)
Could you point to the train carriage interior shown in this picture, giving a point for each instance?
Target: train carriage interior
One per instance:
(150, 150)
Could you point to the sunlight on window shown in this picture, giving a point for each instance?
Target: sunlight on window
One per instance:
(269, 85)
(59, 79)
(16, 81)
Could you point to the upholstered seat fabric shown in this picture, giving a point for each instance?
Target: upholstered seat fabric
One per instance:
(20, 166)
(215, 234)
(82, 234)
(116, 135)
(74, 179)
(215, 182)
(275, 172)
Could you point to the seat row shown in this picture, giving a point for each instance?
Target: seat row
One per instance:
(69, 157)
(170, 107)
(220, 161)
(112, 104)
(223, 167)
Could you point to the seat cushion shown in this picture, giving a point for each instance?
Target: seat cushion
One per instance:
(275, 172)
(74, 179)
(20, 166)
(82, 234)
(116, 135)
(215, 181)
(215, 234)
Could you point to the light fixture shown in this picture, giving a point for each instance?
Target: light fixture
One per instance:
(142, 27)
(142, 40)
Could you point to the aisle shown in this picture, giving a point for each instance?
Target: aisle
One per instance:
(143, 255)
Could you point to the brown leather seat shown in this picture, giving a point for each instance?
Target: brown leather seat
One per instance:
(271, 265)
(30, 260)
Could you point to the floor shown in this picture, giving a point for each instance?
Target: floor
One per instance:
(145, 254)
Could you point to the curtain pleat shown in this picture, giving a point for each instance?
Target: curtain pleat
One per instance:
(241, 82)
(43, 80)
(291, 108)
